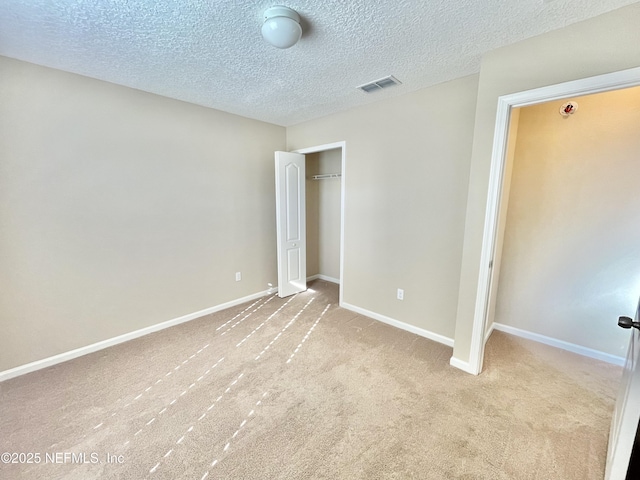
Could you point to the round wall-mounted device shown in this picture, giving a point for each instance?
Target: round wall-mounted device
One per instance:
(568, 108)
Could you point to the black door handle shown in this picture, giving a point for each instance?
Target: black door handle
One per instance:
(627, 322)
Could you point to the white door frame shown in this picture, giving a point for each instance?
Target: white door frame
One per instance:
(601, 83)
(343, 147)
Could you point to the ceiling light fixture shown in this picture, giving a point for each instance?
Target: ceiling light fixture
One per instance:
(281, 27)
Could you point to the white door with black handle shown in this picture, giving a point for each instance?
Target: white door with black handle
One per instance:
(626, 415)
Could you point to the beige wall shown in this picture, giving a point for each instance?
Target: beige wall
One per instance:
(600, 45)
(121, 209)
(407, 162)
(571, 258)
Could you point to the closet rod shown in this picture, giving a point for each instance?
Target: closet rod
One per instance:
(324, 176)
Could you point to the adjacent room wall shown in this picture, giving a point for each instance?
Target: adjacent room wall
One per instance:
(406, 184)
(121, 209)
(571, 257)
(603, 44)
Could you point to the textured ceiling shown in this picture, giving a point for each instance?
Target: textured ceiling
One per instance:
(211, 53)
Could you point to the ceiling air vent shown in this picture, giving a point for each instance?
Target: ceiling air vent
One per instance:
(379, 84)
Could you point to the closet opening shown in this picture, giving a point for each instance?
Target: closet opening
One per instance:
(325, 192)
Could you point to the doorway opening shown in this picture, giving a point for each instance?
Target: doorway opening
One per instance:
(323, 194)
(592, 85)
(626, 414)
(567, 253)
(324, 200)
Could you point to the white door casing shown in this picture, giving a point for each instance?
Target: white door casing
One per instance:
(291, 223)
(626, 415)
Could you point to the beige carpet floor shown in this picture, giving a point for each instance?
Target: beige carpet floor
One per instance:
(299, 388)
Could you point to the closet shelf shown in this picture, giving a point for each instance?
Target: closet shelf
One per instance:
(325, 176)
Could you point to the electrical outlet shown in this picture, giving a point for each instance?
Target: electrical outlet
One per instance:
(400, 294)
(238, 276)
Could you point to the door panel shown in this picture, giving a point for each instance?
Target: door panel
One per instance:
(626, 416)
(294, 265)
(291, 223)
(292, 202)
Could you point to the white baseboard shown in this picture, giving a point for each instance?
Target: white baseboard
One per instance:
(78, 352)
(462, 365)
(398, 324)
(319, 276)
(489, 332)
(571, 347)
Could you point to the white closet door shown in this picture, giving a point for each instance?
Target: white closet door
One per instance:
(291, 223)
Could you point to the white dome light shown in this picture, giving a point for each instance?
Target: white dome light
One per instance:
(281, 27)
